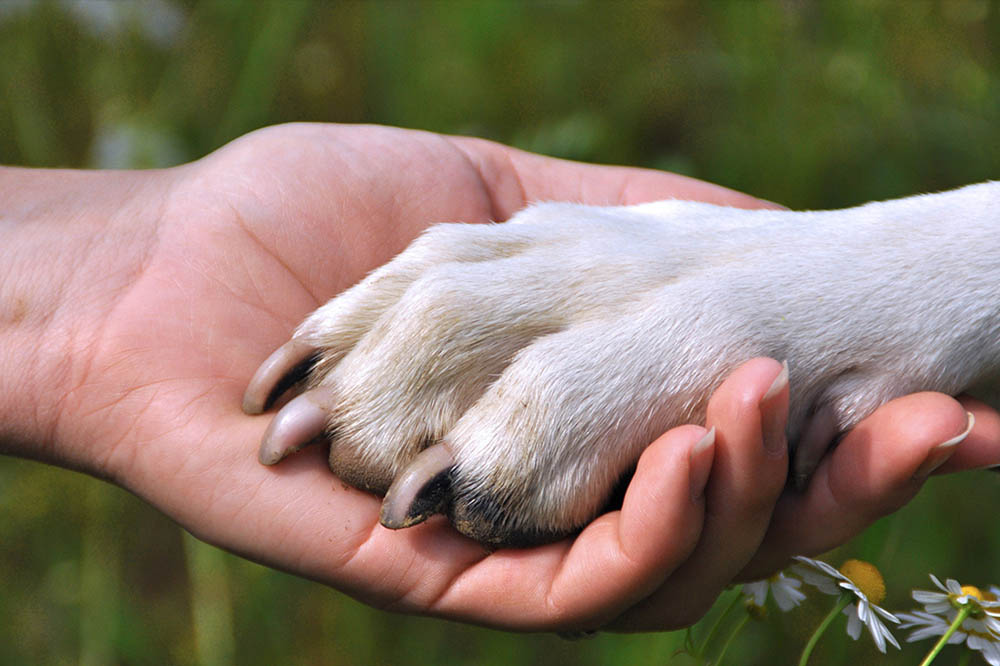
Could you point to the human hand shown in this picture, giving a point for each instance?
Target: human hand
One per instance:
(163, 291)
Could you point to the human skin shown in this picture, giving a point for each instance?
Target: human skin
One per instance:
(134, 307)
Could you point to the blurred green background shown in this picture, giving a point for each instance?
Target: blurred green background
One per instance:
(811, 104)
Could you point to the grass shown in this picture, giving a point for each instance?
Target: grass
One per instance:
(813, 104)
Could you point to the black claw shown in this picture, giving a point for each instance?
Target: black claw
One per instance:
(286, 366)
(290, 379)
(432, 499)
(422, 490)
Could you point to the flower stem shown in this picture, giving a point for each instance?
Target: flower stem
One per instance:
(737, 598)
(807, 651)
(729, 641)
(959, 619)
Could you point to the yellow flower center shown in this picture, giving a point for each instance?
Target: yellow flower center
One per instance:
(867, 577)
(974, 595)
(973, 592)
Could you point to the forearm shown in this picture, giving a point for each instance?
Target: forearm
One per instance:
(63, 242)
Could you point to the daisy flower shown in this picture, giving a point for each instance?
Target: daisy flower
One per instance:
(855, 581)
(958, 613)
(784, 590)
(954, 595)
(969, 631)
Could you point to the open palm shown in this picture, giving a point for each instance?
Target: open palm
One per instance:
(248, 240)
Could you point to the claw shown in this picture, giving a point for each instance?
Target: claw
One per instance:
(423, 489)
(287, 365)
(299, 423)
(818, 436)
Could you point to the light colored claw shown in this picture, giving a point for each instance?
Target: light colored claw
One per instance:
(299, 423)
(420, 491)
(271, 372)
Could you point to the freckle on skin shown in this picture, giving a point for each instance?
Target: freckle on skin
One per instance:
(17, 313)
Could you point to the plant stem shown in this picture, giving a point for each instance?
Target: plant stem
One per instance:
(700, 652)
(807, 651)
(959, 619)
(689, 641)
(729, 641)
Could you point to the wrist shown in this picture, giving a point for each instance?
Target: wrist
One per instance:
(61, 253)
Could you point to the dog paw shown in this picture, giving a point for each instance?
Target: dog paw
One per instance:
(509, 375)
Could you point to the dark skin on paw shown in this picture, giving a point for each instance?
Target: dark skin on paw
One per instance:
(425, 488)
(487, 522)
(347, 468)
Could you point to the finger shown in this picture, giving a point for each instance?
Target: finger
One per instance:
(748, 411)
(877, 467)
(555, 586)
(548, 178)
(516, 178)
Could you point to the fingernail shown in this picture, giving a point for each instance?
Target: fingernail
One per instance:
(774, 413)
(700, 465)
(939, 454)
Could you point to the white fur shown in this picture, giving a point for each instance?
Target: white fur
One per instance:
(549, 350)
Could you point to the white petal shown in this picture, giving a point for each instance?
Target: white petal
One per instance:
(787, 598)
(864, 610)
(925, 597)
(888, 635)
(822, 566)
(875, 628)
(975, 625)
(940, 608)
(934, 579)
(917, 618)
(757, 591)
(821, 582)
(926, 625)
(923, 634)
(884, 613)
(992, 654)
(853, 622)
